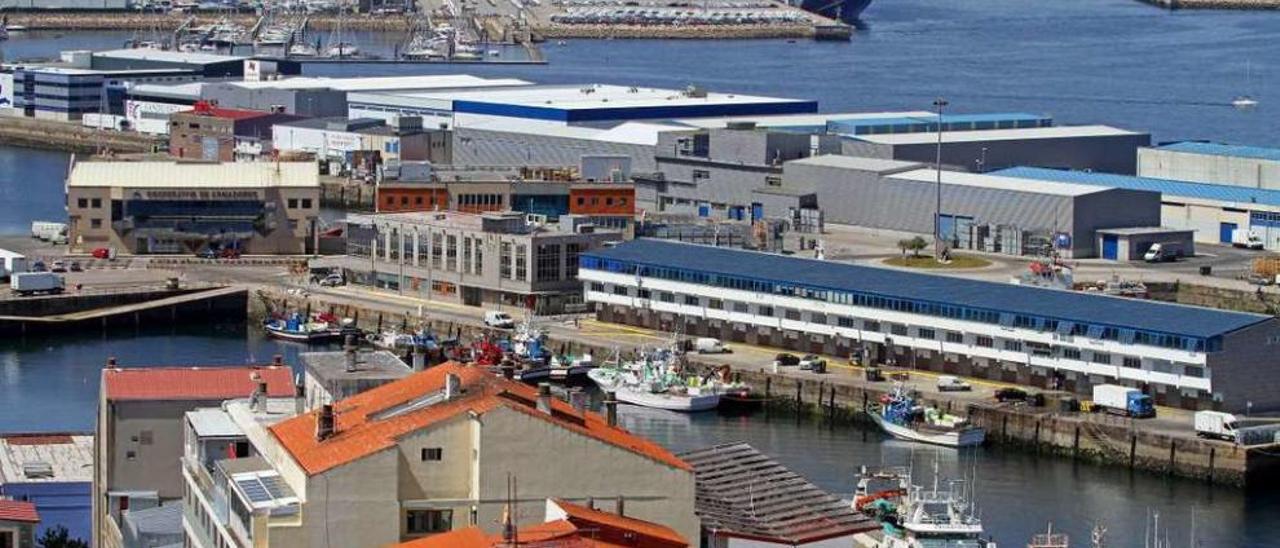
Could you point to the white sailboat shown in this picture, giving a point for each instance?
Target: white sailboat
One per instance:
(1245, 101)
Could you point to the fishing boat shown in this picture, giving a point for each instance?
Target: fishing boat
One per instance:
(656, 393)
(899, 415)
(934, 517)
(1049, 539)
(302, 49)
(879, 491)
(295, 327)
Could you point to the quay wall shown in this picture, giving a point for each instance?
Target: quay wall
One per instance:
(1099, 439)
(1216, 4)
(198, 307)
(555, 31)
(40, 306)
(72, 137)
(1257, 301)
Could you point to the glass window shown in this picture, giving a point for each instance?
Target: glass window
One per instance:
(437, 249)
(667, 297)
(293, 203)
(620, 290)
(716, 304)
(432, 453)
(985, 341)
(644, 294)
(844, 321)
(422, 522)
(955, 337)
(791, 314)
(1013, 346)
(898, 329)
(571, 260)
(597, 286)
(1101, 357)
(818, 318)
(83, 203)
(871, 325)
(741, 307)
(306, 203)
(504, 260)
(1193, 371)
(691, 300)
(926, 334)
(1132, 362)
(95, 223)
(522, 270)
(547, 268)
(765, 311)
(1071, 353)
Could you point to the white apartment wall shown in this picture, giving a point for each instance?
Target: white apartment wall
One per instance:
(972, 330)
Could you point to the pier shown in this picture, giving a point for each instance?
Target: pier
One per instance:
(135, 308)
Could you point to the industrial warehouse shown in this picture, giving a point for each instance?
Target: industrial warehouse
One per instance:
(1184, 356)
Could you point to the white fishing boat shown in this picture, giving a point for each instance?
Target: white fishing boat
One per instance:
(934, 518)
(1245, 102)
(342, 50)
(392, 340)
(302, 49)
(900, 416)
(631, 390)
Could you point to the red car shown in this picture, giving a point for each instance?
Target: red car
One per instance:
(102, 253)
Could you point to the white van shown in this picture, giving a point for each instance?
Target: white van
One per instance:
(708, 345)
(501, 320)
(1216, 424)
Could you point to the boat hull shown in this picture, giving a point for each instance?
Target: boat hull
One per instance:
(669, 402)
(845, 11)
(967, 437)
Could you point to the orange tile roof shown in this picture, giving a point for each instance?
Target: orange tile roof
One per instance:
(625, 531)
(14, 510)
(358, 433)
(194, 383)
(552, 534)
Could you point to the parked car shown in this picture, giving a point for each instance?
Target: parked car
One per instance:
(501, 320)
(39, 266)
(813, 362)
(208, 253)
(949, 383)
(1010, 394)
(103, 253)
(75, 267)
(58, 266)
(785, 359)
(333, 280)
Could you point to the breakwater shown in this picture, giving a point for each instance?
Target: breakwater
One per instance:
(72, 137)
(1215, 4)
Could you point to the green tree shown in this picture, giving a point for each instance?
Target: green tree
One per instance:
(914, 245)
(58, 537)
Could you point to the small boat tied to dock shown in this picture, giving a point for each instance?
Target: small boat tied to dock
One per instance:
(659, 379)
(935, 517)
(899, 414)
(319, 328)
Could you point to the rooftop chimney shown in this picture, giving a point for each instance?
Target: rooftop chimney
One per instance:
(544, 398)
(452, 386)
(350, 348)
(258, 400)
(277, 360)
(611, 408)
(111, 362)
(324, 422)
(621, 506)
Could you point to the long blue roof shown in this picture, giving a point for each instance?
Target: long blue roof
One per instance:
(1120, 312)
(1167, 187)
(1223, 149)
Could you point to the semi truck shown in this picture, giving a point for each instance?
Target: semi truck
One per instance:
(1216, 424)
(1122, 400)
(31, 283)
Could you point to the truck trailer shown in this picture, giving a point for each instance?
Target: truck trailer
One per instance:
(1122, 400)
(32, 283)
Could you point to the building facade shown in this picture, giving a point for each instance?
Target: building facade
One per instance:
(1212, 163)
(182, 208)
(1183, 356)
(493, 259)
(986, 212)
(222, 135)
(424, 455)
(139, 435)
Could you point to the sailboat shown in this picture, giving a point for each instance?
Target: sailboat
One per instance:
(338, 47)
(1246, 101)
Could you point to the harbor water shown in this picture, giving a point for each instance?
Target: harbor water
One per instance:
(51, 383)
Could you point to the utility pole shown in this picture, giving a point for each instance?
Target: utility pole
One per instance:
(939, 104)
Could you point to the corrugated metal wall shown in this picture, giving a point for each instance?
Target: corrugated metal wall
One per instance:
(479, 147)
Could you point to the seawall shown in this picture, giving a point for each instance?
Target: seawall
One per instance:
(72, 137)
(101, 312)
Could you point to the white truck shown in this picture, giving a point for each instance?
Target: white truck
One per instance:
(1246, 239)
(49, 231)
(11, 263)
(1216, 424)
(31, 283)
(1122, 400)
(1164, 252)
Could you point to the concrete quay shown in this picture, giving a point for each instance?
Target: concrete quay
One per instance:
(1164, 445)
(130, 20)
(54, 135)
(126, 308)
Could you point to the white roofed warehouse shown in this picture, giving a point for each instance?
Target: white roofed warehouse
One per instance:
(981, 212)
(219, 209)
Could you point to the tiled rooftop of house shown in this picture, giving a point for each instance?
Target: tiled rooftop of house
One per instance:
(372, 421)
(15, 510)
(194, 383)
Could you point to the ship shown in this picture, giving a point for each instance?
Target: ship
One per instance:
(902, 417)
(845, 11)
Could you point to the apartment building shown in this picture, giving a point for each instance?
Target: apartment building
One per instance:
(139, 436)
(431, 453)
(1184, 356)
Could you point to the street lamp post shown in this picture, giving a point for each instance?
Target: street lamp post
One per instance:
(939, 104)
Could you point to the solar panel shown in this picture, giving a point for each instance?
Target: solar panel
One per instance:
(253, 488)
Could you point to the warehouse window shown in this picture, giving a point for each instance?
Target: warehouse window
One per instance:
(1132, 362)
(818, 318)
(1013, 346)
(716, 304)
(844, 321)
(926, 334)
(985, 341)
(765, 311)
(1071, 353)
(898, 329)
(955, 337)
(597, 286)
(620, 290)
(1101, 357)
(691, 300)
(792, 314)
(871, 325)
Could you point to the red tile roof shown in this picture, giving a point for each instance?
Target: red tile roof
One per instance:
(38, 439)
(552, 534)
(13, 510)
(360, 433)
(229, 113)
(621, 530)
(194, 383)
